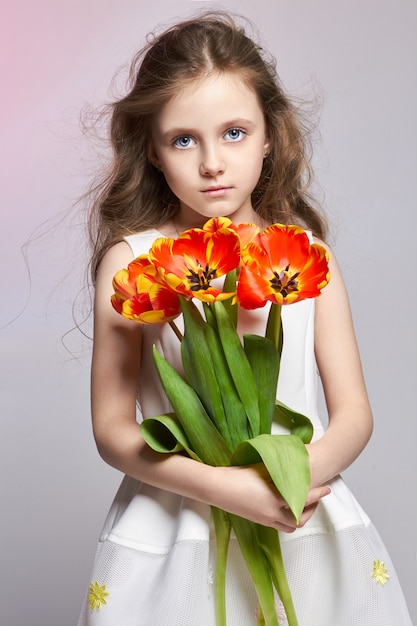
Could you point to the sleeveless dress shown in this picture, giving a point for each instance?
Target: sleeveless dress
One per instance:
(155, 560)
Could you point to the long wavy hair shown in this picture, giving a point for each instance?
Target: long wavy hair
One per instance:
(134, 195)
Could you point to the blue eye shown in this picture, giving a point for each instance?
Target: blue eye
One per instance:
(183, 142)
(235, 134)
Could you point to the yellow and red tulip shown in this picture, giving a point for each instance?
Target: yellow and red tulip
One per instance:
(248, 232)
(142, 295)
(284, 268)
(191, 262)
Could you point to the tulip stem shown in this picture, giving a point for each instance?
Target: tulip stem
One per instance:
(261, 619)
(222, 526)
(176, 330)
(269, 541)
(259, 569)
(274, 330)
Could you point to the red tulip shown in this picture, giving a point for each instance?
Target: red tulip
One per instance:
(142, 295)
(283, 269)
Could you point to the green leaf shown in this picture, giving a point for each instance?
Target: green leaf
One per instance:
(164, 434)
(258, 566)
(286, 459)
(268, 540)
(274, 331)
(222, 526)
(297, 423)
(264, 361)
(199, 367)
(238, 426)
(230, 286)
(231, 416)
(239, 366)
(200, 431)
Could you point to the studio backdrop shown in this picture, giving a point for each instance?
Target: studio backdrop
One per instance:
(353, 64)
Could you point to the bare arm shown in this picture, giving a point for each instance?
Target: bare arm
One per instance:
(350, 417)
(115, 370)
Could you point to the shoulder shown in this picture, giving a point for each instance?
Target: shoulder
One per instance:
(336, 278)
(116, 258)
(140, 243)
(122, 253)
(333, 319)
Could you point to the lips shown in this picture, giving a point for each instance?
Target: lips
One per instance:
(216, 192)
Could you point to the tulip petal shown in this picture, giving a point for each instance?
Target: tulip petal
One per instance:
(284, 269)
(190, 262)
(142, 295)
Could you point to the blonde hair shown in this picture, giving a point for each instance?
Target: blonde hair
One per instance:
(135, 196)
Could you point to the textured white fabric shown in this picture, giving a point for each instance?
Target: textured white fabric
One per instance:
(156, 552)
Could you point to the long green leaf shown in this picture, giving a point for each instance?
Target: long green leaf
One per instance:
(264, 361)
(274, 331)
(199, 368)
(222, 526)
(286, 459)
(258, 566)
(268, 540)
(297, 423)
(238, 426)
(203, 436)
(165, 434)
(239, 366)
(230, 286)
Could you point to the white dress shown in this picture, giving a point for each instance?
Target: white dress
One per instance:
(155, 558)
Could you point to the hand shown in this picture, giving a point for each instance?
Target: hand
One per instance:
(250, 493)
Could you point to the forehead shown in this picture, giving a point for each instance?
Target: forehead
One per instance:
(211, 98)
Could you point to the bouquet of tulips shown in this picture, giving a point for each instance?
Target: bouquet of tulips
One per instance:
(224, 405)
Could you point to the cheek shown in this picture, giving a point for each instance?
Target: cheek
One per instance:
(253, 169)
(176, 178)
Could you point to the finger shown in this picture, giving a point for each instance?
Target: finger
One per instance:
(312, 503)
(317, 493)
(286, 522)
(307, 514)
(284, 529)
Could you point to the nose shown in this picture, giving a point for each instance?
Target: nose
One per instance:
(212, 162)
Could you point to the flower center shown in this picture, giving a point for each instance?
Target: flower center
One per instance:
(284, 283)
(200, 277)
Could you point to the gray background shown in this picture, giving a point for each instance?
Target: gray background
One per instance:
(358, 58)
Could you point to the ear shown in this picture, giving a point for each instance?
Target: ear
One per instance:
(153, 157)
(266, 148)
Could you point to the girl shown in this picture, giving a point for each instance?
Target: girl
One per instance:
(207, 131)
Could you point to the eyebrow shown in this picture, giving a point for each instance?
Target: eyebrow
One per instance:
(186, 130)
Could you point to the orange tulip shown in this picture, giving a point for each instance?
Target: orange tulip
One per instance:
(142, 295)
(248, 233)
(197, 257)
(216, 223)
(283, 269)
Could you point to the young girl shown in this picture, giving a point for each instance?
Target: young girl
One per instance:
(207, 131)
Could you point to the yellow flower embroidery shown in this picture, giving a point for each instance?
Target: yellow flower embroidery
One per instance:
(380, 573)
(97, 595)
